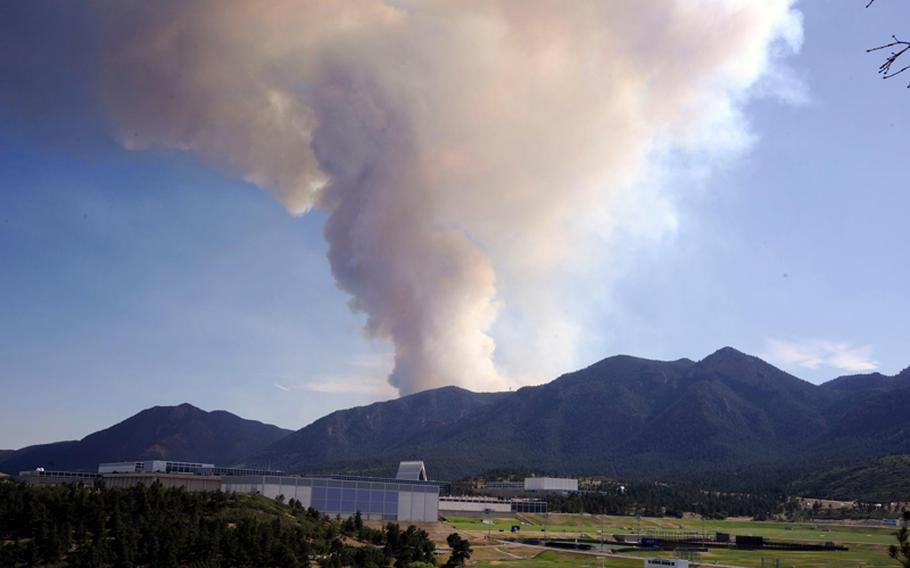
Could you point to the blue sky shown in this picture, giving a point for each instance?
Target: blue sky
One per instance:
(130, 279)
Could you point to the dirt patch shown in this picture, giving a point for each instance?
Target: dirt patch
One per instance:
(438, 531)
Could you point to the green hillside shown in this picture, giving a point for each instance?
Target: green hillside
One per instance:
(884, 480)
(140, 526)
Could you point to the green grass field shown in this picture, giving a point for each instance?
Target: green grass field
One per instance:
(863, 555)
(547, 559)
(554, 559)
(868, 545)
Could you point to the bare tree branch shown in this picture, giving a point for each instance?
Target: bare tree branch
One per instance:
(885, 68)
(898, 48)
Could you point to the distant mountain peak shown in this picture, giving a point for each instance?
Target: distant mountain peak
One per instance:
(729, 364)
(727, 353)
(728, 358)
(183, 432)
(183, 407)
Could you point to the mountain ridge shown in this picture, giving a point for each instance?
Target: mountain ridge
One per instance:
(625, 415)
(867, 381)
(181, 433)
(622, 416)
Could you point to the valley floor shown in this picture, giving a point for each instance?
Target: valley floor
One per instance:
(868, 546)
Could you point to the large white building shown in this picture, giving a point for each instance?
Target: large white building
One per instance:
(408, 497)
(374, 498)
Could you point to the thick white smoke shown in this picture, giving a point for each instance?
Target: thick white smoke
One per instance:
(453, 144)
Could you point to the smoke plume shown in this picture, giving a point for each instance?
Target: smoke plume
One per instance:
(454, 145)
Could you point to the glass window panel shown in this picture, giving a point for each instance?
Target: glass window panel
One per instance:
(318, 498)
(332, 499)
(376, 501)
(362, 501)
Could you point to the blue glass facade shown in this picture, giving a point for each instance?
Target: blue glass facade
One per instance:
(374, 499)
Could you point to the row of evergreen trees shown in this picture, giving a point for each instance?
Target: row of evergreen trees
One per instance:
(153, 526)
(656, 500)
(659, 500)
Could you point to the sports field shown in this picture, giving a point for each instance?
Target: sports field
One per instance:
(868, 545)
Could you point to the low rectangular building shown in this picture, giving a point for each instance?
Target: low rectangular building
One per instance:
(529, 506)
(505, 485)
(41, 476)
(223, 471)
(160, 466)
(556, 484)
(478, 505)
(489, 505)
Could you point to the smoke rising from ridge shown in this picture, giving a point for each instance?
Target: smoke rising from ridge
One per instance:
(454, 145)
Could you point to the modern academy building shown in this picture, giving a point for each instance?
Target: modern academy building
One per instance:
(408, 497)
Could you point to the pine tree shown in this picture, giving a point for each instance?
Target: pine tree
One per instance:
(901, 550)
(461, 551)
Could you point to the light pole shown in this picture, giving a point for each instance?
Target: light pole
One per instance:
(546, 521)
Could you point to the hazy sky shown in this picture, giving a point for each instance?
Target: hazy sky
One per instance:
(130, 278)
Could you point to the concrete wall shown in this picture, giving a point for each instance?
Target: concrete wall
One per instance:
(418, 507)
(550, 484)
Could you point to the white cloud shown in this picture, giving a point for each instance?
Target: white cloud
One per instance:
(816, 353)
(374, 386)
(352, 384)
(379, 362)
(365, 376)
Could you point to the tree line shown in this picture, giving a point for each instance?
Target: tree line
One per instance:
(659, 500)
(153, 526)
